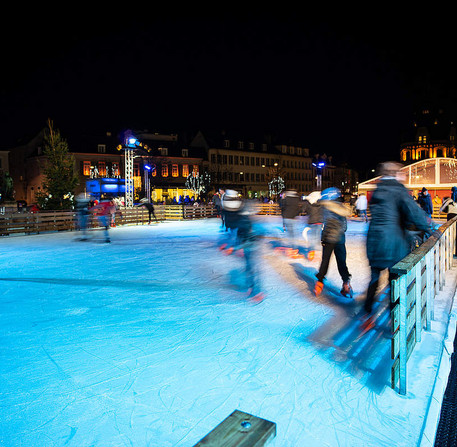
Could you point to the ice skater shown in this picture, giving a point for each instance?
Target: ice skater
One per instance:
(82, 214)
(243, 239)
(102, 211)
(393, 214)
(361, 206)
(290, 209)
(333, 240)
(150, 207)
(312, 231)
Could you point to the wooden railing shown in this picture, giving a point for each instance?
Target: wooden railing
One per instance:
(419, 278)
(46, 221)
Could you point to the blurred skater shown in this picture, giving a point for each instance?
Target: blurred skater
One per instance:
(333, 240)
(102, 211)
(217, 202)
(312, 231)
(393, 214)
(361, 206)
(243, 239)
(82, 214)
(290, 209)
(150, 207)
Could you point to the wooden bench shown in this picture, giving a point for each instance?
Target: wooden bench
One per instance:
(241, 430)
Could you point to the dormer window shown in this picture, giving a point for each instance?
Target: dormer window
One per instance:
(185, 152)
(101, 148)
(226, 143)
(240, 145)
(163, 151)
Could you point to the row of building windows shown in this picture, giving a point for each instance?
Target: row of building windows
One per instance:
(240, 160)
(101, 169)
(292, 150)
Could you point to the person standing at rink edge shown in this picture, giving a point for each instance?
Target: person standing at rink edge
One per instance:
(393, 214)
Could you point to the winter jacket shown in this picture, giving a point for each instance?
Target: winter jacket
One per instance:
(449, 207)
(361, 203)
(290, 205)
(425, 202)
(393, 214)
(335, 222)
(314, 212)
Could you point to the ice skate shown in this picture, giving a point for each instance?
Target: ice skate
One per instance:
(347, 290)
(319, 286)
(257, 298)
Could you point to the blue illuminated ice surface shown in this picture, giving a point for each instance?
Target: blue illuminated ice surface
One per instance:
(151, 341)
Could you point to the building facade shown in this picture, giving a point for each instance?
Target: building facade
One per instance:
(433, 134)
(165, 165)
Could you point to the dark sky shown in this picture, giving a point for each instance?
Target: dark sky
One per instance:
(345, 87)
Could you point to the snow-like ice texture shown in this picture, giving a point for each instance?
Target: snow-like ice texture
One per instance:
(150, 341)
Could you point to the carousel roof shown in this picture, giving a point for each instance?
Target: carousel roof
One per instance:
(433, 173)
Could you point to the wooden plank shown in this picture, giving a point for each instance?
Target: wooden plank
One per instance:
(240, 429)
(395, 372)
(410, 324)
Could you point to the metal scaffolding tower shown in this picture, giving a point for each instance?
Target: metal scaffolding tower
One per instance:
(129, 187)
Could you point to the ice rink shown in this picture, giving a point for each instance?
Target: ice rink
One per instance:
(151, 341)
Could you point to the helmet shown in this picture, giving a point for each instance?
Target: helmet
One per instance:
(231, 200)
(330, 194)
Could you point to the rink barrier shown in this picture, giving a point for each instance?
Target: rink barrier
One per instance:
(50, 221)
(240, 429)
(419, 277)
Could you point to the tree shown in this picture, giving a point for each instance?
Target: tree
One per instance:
(199, 184)
(60, 179)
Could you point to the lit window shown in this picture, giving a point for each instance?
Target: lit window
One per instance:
(136, 170)
(102, 168)
(195, 170)
(86, 168)
(185, 170)
(164, 170)
(174, 171)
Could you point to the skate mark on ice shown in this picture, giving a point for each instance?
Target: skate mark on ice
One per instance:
(365, 355)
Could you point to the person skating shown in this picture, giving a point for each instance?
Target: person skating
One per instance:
(82, 213)
(290, 209)
(150, 207)
(333, 240)
(394, 214)
(361, 206)
(311, 233)
(102, 211)
(242, 238)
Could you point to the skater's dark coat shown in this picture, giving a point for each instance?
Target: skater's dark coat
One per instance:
(290, 205)
(335, 223)
(314, 212)
(393, 214)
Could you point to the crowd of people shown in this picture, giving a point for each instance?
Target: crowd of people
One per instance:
(396, 219)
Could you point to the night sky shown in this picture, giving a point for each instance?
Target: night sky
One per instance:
(347, 88)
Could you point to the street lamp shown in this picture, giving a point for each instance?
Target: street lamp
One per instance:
(319, 165)
(147, 185)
